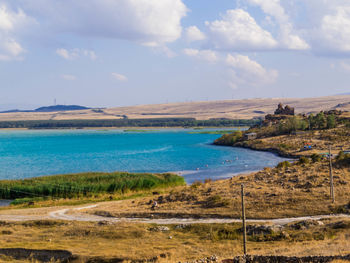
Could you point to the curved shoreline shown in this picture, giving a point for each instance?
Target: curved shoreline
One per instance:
(275, 151)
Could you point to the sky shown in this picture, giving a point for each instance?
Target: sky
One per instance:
(110, 53)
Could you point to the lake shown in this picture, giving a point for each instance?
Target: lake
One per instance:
(31, 153)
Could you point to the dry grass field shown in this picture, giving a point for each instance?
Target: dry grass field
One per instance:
(232, 109)
(175, 243)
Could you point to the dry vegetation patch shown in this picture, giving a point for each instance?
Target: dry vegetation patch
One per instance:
(295, 190)
(173, 243)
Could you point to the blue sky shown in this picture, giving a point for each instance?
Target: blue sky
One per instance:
(107, 53)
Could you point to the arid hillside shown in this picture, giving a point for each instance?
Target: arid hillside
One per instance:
(232, 109)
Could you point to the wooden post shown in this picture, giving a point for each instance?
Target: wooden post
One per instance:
(244, 223)
(331, 175)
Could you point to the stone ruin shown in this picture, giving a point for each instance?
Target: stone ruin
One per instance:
(287, 110)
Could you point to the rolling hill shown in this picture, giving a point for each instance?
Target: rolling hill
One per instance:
(231, 109)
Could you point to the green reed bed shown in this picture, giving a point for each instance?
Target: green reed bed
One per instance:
(86, 184)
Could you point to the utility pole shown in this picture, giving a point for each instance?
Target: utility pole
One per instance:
(244, 223)
(331, 175)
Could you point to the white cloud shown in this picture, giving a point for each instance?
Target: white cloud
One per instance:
(68, 77)
(90, 54)
(144, 21)
(76, 53)
(247, 72)
(10, 23)
(335, 29)
(207, 55)
(327, 25)
(119, 77)
(194, 34)
(239, 31)
(65, 53)
(288, 38)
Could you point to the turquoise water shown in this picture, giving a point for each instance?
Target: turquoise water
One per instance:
(25, 154)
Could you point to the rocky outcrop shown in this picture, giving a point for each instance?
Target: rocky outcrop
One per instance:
(287, 110)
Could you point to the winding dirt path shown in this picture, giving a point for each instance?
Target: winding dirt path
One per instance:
(74, 214)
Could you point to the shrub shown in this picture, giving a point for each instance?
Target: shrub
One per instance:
(229, 139)
(316, 157)
(208, 181)
(285, 146)
(216, 201)
(343, 158)
(304, 160)
(283, 164)
(196, 184)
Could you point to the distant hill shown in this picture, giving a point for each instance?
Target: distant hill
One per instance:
(54, 108)
(16, 110)
(202, 110)
(60, 108)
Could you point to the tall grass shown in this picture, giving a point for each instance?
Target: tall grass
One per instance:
(85, 184)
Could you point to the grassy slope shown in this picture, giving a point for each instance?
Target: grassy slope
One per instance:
(299, 190)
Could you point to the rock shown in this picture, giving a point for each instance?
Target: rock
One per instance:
(285, 235)
(182, 226)
(104, 223)
(277, 228)
(338, 225)
(258, 230)
(160, 229)
(305, 224)
(161, 199)
(320, 223)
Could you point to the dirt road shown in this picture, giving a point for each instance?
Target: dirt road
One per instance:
(75, 214)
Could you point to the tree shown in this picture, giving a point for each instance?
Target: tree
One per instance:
(331, 122)
(312, 121)
(321, 120)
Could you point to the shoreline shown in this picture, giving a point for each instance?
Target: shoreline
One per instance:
(126, 127)
(274, 151)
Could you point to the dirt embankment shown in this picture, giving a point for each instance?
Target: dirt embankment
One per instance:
(62, 256)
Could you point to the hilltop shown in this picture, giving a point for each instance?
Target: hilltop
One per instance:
(229, 109)
(53, 108)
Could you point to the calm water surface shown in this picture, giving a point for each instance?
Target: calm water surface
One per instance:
(25, 154)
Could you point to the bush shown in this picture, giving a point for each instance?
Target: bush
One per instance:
(283, 164)
(343, 158)
(304, 160)
(208, 181)
(229, 139)
(316, 157)
(196, 184)
(216, 201)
